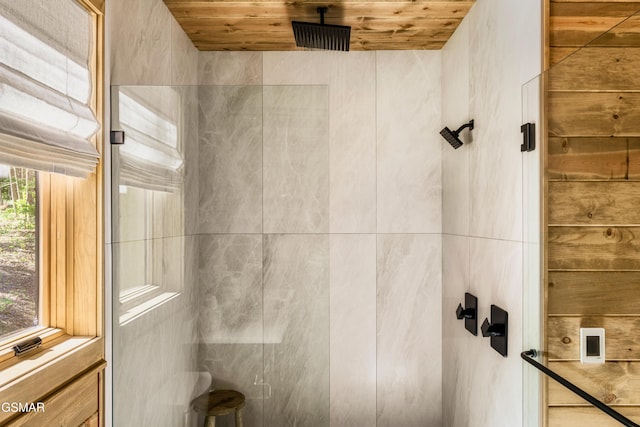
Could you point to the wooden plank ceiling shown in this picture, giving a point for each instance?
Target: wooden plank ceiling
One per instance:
(266, 25)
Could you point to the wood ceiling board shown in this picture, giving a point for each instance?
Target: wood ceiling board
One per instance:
(375, 25)
(594, 9)
(307, 10)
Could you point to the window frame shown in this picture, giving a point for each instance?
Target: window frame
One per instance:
(71, 270)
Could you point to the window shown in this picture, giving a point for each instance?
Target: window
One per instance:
(50, 144)
(48, 123)
(19, 285)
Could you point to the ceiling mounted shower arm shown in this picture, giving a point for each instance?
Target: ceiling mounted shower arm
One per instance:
(322, 10)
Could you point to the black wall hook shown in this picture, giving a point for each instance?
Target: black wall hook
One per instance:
(497, 329)
(469, 313)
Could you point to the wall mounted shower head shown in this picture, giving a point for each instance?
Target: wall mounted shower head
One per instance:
(321, 36)
(452, 135)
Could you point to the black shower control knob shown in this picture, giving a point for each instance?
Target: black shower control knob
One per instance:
(462, 313)
(489, 330)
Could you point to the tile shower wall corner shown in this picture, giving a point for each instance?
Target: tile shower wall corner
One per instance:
(408, 144)
(184, 57)
(455, 112)
(456, 377)
(482, 206)
(148, 46)
(496, 105)
(154, 360)
(140, 42)
(409, 341)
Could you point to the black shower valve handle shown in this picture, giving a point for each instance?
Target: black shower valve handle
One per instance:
(465, 313)
(492, 330)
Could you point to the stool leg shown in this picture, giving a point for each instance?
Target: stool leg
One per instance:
(210, 421)
(238, 418)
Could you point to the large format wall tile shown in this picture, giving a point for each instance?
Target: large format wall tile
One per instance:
(353, 144)
(231, 288)
(230, 68)
(496, 280)
(140, 42)
(409, 324)
(495, 104)
(230, 317)
(230, 165)
(191, 153)
(296, 329)
(352, 132)
(236, 366)
(353, 330)
(184, 57)
(409, 144)
(455, 338)
(500, 39)
(296, 159)
(455, 112)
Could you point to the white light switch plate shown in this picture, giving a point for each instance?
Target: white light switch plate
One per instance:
(592, 345)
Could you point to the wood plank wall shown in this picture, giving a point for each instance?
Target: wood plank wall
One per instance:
(593, 206)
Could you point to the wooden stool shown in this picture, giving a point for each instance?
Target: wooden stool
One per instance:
(219, 402)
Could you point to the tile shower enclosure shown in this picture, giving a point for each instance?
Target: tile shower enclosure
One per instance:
(319, 241)
(309, 235)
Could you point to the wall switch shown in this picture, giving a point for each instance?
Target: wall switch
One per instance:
(592, 345)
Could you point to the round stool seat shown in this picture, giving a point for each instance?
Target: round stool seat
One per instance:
(219, 402)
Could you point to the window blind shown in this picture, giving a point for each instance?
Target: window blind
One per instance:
(46, 121)
(151, 157)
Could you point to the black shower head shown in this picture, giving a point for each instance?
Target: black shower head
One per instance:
(452, 135)
(321, 36)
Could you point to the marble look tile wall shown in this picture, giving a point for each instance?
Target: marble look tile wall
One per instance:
(154, 361)
(230, 163)
(339, 300)
(408, 144)
(231, 317)
(353, 330)
(409, 345)
(230, 68)
(230, 288)
(485, 65)
(296, 329)
(455, 112)
(147, 46)
(352, 133)
(296, 159)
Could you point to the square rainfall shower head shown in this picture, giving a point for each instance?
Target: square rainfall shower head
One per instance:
(321, 36)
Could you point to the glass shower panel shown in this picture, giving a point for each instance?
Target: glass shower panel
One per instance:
(153, 256)
(296, 255)
(532, 281)
(264, 309)
(220, 263)
(230, 311)
(575, 187)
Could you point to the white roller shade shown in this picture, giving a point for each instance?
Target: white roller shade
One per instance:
(46, 121)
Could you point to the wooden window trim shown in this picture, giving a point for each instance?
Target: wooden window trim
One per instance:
(71, 242)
